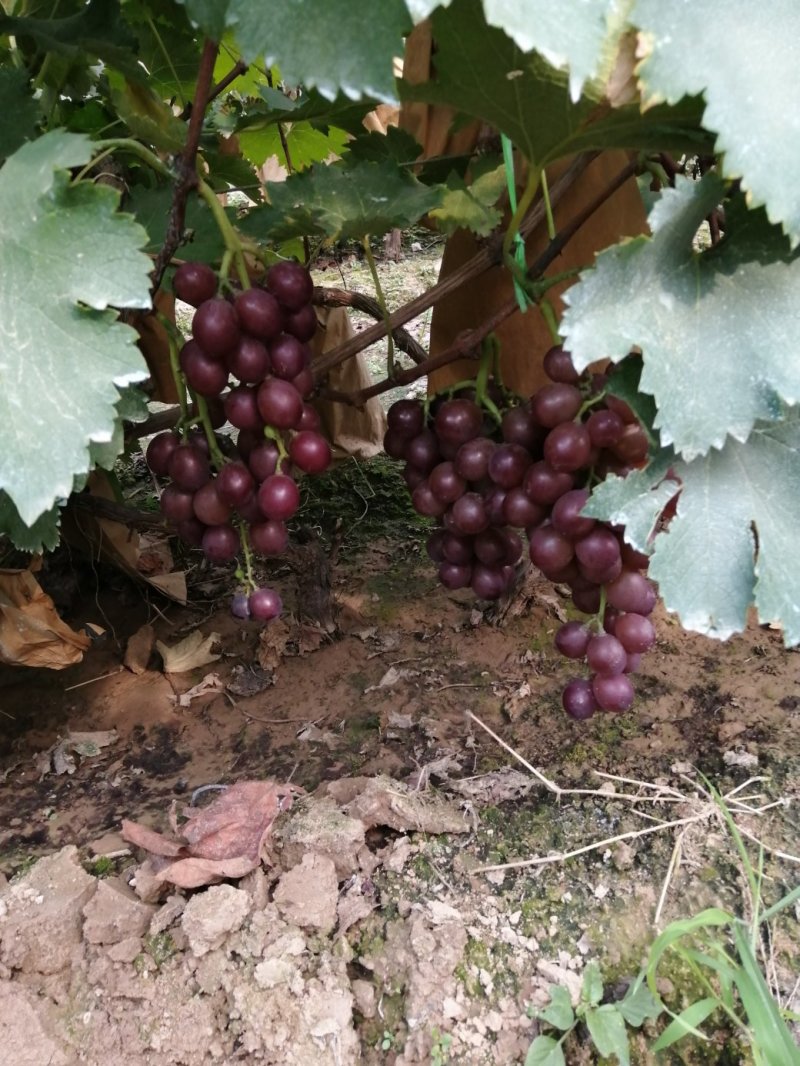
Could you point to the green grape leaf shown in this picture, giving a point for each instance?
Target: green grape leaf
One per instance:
(42, 535)
(545, 1051)
(151, 208)
(168, 48)
(607, 1029)
(20, 110)
(751, 87)
(306, 144)
(473, 206)
(98, 29)
(330, 45)
(558, 1012)
(67, 257)
(481, 72)
(639, 1004)
(131, 407)
(341, 203)
(145, 114)
(310, 106)
(396, 144)
(699, 319)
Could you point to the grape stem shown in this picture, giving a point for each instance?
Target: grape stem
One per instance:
(274, 435)
(489, 350)
(177, 374)
(247, 552)
(217, 458)
(126, 144)
(376, 281)
(548, 208)
(232, 243)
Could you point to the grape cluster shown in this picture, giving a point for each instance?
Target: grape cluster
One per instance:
(486, 476)
(258, 337)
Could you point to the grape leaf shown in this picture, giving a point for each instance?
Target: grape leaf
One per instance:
(480, 71)
(635, 501)
(168, 48)
(750, 84)
(42, 535)
(474, 205)
(145, 114)
(395, 144)
(736, 525)
(607, 1028)
(341, 203)
(20, 110)
(697, 317)
(310, 106)
(584, 42)
(67, 256)
(306, 144)
(330, 45)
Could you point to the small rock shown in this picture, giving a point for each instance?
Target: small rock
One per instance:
(42, 927)
(319, 825)
(364, 996)
(126, 950)
(272, 972)
(139, 649)
(452, 1009)
(211, 915)
(167, 913)
(114, 914)
(557, 975)
(308, 894)
(622, 855)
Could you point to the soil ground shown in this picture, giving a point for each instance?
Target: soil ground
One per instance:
(437, 960)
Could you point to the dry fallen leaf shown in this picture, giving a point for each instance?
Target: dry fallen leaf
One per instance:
(224, 839)
(210, 683)
(188, 654)
(59, 758)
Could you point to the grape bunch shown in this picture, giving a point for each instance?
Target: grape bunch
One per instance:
(222, 503)
(487, 476)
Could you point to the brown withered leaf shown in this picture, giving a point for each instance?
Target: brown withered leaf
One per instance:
(224, 839)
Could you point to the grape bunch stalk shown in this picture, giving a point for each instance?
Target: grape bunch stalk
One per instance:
(489, 475)
(226, 505)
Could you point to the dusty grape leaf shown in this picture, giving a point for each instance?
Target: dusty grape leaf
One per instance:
(718, 319)
(750, 84)
(635, 501)
(67, 256)
(735, 528)
(341, 203)
(41, 535)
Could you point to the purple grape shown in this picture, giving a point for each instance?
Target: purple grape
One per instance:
(239, 605)
(394, 443)
(457, 550)
(205, 374)
(632, 592)
(566, 515)
(568, 447)
(215, 327)
(458, 421)
(241, 408)
(544, 485)
(520, 511)
(494, 500)
(513, 547)
(519, 426)
(291, 284)
(558, 366)
(287, 357)
(235, 484)
(425, 502)
(301, 324)
(279, 403)
(587, 598)
(310, 452)
(269, 538)
(632, 446)
(635, 632)
(472, 458)
(194, 283)
(188, 467)
(406, 418)
(445, 483)
(598, 549)
(491, 547)
(263, 459)
(507, 465)
(259, 313)
(159, 452)
(422, 451)
(554, 404)
(469, 513)
(279, 497)
(304, 383)
(487, 582)
(613, 693)
(604, 428)
(177, 504)
(220, 544)
(412, 476)
(249, 361)
(549, 550)
(578, 699)
(191, 531)
(209, 507)
(453, 576)
(265, 604)
(605, 655)
(572, 639)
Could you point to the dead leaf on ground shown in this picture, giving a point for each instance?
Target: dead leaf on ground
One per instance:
(382, 801)
(224, 839)
(60, 757)
(248, 681)
(489, 790)
(188, 654)
(139, 649)
(280, 640)
(211, 683)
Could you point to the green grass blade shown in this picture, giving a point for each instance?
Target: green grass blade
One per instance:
(713, 916)
(782, 904)
(686, 1022)
(769, 1031)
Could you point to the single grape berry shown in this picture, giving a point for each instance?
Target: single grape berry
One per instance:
(572, 640)
(194, 283)
(291, 284)
(259, 313)
(310, 452)
(220, 544)
(279, 403)
(159, 452)
(279, 497)
(558, 366)
(301, 324)
(406, 418)
(215, 326)
(264, 604)
(605, 655)
(613, 693)
(578, 699)
(239, 605)
(634, 632)
(458, 421)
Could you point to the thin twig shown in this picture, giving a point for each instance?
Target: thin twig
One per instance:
(91, 681)
(235, 72)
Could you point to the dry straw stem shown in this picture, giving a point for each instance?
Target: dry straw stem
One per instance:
(702, 805)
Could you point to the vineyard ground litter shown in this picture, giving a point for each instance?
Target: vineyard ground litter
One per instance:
(371, 935)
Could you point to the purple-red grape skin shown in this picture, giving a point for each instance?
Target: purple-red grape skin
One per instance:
(194, 283)
(264, 604)
(578, 699)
